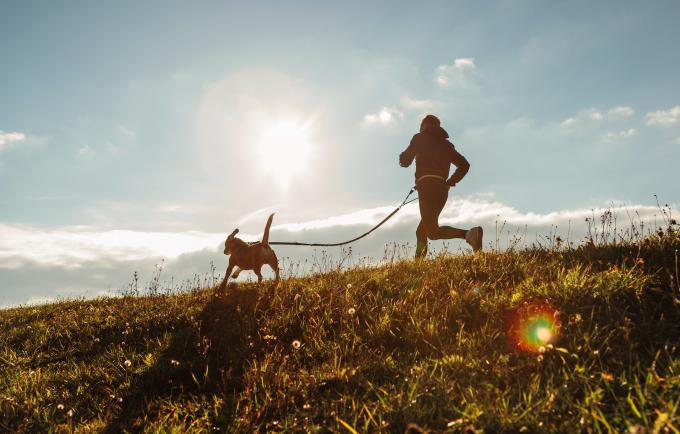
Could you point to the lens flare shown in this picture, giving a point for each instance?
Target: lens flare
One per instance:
(534, 325)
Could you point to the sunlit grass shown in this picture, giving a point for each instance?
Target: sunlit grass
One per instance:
(368, 349)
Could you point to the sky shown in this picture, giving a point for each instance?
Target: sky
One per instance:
(138, 132)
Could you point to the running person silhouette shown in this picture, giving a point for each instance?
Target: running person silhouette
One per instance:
(434, 155)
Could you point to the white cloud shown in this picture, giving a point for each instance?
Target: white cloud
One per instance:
(620, 112)
(625, 134)
(630, 132)
(663, 117)
(587, 115)
(51, 262)
(74, 247)
(385, 116)
(464, 63)
(442, 80)
(85, 151)
(418, 104)
(458, 67)
(596, 115)
(568, 122)
(6, 139)
(127, 133)
(593, 114)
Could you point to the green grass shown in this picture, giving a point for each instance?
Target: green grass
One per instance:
(424, 343)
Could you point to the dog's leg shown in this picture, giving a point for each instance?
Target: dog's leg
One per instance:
(236, 273)
(257, 271)
(230, 268)
(274, 264)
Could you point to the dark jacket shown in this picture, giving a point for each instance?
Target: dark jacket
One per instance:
(434, 155)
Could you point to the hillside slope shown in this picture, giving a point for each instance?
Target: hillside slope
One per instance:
(439, 343)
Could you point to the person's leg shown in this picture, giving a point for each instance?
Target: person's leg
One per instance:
(421, 240)
(431, 224)
(435, 232)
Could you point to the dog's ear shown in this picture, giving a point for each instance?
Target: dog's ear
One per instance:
(232, 234)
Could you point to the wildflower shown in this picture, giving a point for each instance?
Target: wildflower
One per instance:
(60, 407)
(541, 350)
(596, 352)
(306, 406)
(120, 399)
(607, 376)
(296, 344)
(96, 339)
(577, 318)
(70, 413)
(127, 363)
(351, 311)
(174, 362)
(349, 286)
(539, 358)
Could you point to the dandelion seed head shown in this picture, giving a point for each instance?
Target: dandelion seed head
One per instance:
(127, 363)
(351, 311)
(60, 406)
(296, 344)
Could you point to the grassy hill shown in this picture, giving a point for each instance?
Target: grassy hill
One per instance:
(439, 343)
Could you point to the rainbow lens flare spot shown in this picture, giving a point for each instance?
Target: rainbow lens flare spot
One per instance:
(534, 325)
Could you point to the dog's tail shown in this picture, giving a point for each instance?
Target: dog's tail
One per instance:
(265, 237)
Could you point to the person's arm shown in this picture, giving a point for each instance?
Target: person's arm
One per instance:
(462, 167)
(406, 157)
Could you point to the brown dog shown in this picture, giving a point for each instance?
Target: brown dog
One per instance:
(248, 256)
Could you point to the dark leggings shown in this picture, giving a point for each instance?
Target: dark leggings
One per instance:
(432, 195)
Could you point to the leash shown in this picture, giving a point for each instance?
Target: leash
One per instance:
(406, 201)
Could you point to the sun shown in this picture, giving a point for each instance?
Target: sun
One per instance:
(284, 149)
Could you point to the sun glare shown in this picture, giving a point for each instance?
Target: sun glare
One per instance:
(284, 149)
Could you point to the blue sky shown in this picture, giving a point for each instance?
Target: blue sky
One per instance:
(170, 117)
